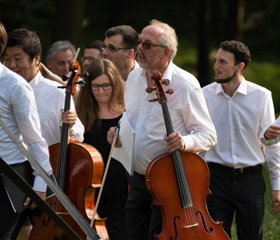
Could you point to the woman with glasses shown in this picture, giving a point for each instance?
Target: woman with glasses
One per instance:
(100, 105)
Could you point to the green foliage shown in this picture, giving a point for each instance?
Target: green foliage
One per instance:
(186, 57)
(266, 74)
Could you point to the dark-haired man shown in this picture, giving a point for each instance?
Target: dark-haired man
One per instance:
(121, 48)
(92, 51)
(18, 111)
(240, 110)
(22, 55)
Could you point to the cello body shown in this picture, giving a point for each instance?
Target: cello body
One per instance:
(193, 222)
(84, 171)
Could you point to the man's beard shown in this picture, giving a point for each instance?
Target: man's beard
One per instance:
(225, 80)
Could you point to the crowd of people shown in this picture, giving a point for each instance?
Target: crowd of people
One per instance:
(230, 123)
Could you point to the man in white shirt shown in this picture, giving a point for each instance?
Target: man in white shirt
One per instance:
(19, 113)
(240, 110)
(194, 130)
(22, 55)
(24, 58)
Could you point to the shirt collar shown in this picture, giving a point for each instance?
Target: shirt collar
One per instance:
(242, 88)
(168, 71)
(35, 81)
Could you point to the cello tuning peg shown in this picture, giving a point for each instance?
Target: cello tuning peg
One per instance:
(64, 78)
(165, 81)
(149, 89)
(169, 90)
(61, 87)
(153, 100)
(81, 83)
(84, 75)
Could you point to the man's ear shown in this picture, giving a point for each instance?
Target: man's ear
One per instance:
(167, 52)
(240, 66)
(37, 60)
(130, 53)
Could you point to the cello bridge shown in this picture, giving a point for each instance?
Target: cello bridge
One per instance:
(190, 226)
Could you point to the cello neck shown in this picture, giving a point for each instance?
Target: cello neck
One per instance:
(183, 189)
(62, 156)
(182, 184)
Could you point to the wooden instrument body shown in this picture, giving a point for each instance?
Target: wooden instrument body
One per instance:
(178, 223)
(83, 174)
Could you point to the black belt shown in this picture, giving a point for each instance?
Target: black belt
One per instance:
(236, 171)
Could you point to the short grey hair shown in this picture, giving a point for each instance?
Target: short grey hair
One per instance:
(60, 46)
(168, 38)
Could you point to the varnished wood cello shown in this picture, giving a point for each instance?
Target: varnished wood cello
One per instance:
(179, 184)
(78, 169)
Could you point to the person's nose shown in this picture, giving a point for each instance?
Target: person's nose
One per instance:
(100, 89)
(216, 66)
(105, 52)
(12, 64)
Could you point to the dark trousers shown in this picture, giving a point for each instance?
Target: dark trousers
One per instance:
(8, 218)
(242, 194)
(143, 217)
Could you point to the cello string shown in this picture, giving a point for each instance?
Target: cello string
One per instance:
(191, 228)
(183, 189)
(186, 198)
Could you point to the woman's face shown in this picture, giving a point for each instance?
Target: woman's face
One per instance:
(101, 88)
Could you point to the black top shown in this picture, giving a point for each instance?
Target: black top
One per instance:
(115, 188)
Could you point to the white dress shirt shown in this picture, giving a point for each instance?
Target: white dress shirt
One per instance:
(19, 113)
(50, 100)
(187, 108)
(239, 121)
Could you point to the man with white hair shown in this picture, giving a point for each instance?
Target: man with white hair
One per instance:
(194, 130)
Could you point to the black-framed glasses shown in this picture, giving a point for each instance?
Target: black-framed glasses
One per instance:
(112, 48)
(147, 45)
(104, 86)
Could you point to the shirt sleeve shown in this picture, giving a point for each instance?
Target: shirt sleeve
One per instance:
(272, 153)
(77, 131)
(26, 115)
(269, 142)
(196, 116)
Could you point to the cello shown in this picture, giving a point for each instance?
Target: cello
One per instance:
(179, 184)
(78, 169)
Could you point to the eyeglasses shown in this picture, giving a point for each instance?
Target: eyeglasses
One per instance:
(147, 45)
(112, 48)
(104, 86)
(90, 59)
